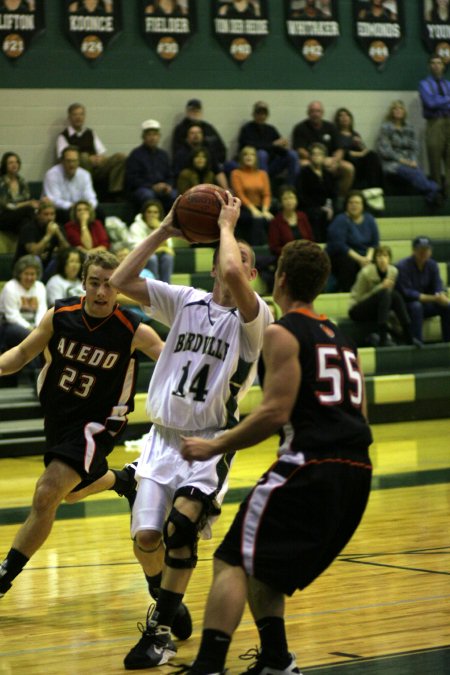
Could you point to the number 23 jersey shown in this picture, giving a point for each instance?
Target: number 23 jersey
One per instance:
(208, 362)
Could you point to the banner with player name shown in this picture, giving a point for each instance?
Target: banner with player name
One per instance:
(240, 26)
(168, 25)
(92, 25)
(20, 22)
(379, 27)
(312, 26)
(435, 15)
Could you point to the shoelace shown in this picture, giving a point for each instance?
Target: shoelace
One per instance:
(251, 654)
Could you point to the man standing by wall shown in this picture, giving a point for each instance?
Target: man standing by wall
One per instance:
(434, 92)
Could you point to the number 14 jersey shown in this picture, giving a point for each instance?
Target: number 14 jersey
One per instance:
(208, 362)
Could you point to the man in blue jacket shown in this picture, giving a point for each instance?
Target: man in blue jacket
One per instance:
(420, 283)
(434, 92)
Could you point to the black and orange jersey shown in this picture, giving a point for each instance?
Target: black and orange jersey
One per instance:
(90, 373)
(327, 414)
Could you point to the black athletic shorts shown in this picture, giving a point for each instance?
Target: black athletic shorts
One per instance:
(82, 447)
(298, 518)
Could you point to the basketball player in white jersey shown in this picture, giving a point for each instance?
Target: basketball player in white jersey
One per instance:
(208, 363)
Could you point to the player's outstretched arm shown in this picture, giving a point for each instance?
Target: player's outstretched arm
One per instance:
(231, 263)
(148, 341)
(126, 277)
(16, 358)
(281, 385)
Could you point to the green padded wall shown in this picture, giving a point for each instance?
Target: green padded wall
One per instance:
(128, 63)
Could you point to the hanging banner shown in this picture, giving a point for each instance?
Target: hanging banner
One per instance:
(92, 25)
(312, 26)
(20, 22)
(168, 25)
(240, 26)
(379, 27)
(435, 15)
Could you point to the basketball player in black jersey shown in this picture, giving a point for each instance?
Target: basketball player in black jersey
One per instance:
(86, 390)
(306, 507)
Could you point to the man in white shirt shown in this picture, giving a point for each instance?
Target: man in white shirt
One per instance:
(107, 171)
(66, 183)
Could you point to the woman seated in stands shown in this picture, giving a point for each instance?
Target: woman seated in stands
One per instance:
(67, 280)
(199, 171)
(16, 205)
(398, 149)
(288, 224)
(373, 297)
(317, 191)
(251, 185)
(23, 303)
(149, 219)
(352, 239)
(368, 172)
(83, 231)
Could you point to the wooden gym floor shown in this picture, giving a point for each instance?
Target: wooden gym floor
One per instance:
(382, 608)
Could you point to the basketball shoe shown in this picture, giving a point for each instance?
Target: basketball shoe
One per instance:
(125, 484)
(260, 667)
(5, 585)
(153, 649)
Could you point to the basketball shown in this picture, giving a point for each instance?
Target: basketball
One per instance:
(197, 211)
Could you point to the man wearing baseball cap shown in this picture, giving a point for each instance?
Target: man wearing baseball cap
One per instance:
(211, 137)
(420, 283)
(148, 174)
(274, 154)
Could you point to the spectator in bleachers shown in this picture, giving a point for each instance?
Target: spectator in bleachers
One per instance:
(398, 148)
(314, 129)
(434, 92)
(147, 173)
(420, 283)
(66, 282)
(149, 219)
(351, 240)
(317, 191)
(16, 205)
(107, 171)
(252, 186)
(67, 183)
(195, 140)
(211, 137)
(199, 171)
(274, 154)
(23, 303)
(84, 231)
(368, 172)
(288, 224)
(42, 237)
(374, 297)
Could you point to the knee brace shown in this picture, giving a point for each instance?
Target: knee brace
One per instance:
(186, 534)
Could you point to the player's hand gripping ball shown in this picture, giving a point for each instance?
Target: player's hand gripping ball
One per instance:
(197, 211)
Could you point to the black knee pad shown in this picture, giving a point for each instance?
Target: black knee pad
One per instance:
(186, 534)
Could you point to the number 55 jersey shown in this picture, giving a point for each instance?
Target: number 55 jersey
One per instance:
(327, 415)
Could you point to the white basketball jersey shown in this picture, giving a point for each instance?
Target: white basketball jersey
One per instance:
(208, 362)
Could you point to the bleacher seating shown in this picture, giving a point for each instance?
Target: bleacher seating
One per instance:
(403, 383)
